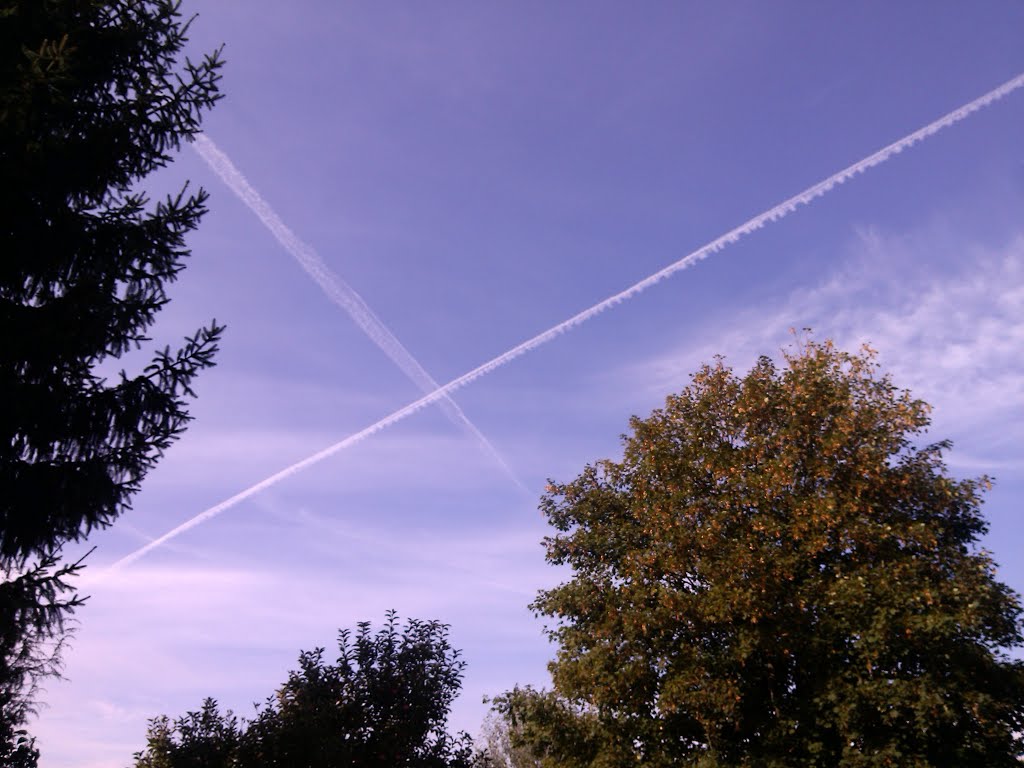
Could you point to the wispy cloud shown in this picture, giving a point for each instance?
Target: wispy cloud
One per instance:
(957, 339)
(166, 628)
(952, 336)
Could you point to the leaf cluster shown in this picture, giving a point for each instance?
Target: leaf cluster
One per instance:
(205, 738)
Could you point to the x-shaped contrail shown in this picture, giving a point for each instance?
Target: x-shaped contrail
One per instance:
(775, 213)
(341, 293)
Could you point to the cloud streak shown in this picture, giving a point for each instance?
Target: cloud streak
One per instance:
(951, 336)
(341, 293)
(750, 226)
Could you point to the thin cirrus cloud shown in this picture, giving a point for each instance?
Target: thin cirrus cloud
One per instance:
(952, 338)
(955, 341)
(769, 216)
(342, 294)
(473, 580)
(414, 461)
(453, 576)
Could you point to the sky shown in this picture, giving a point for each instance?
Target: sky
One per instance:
(441, 182)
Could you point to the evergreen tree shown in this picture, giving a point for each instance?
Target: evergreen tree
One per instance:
(776, 574)
(94, 96)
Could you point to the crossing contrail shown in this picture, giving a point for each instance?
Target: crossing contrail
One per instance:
(340, 292)
(751, 225)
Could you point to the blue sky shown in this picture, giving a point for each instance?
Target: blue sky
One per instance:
(479, 174)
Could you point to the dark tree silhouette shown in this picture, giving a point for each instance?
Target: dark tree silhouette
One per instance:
(384, 703)
(202, 739)
(94, 96)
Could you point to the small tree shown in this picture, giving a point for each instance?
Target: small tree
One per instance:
(384, 703)
(776, 575)
(93, 98)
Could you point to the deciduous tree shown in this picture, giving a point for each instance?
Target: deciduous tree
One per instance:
(383, 703)
(777, 573)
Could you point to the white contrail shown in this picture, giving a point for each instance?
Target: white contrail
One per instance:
(772, 214)
(340, 292)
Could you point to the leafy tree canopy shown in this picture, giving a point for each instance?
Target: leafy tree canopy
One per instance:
(776, 574)
(383, 703)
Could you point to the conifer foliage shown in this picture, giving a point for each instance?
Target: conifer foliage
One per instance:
(776, 574)
(94, 96)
